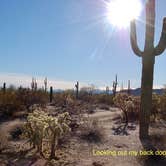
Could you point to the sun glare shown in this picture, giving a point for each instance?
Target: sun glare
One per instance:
(121, 12)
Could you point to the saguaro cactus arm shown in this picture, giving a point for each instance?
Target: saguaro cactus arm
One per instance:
(133, 39)
(159, 49)
(150, 26)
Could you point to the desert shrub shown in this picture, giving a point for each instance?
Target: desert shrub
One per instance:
(3, 141)
(41, 126)
(129, 105)
(9, 104)
(16, 133)
(64, 98)
(28, 97)
(85, 96)
(13, 129)
(104, 107)
(162, 107)
(155, 106)
(104, 99)
(91, 131)
(14, 100)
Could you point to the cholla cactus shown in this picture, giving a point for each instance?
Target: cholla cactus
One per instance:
(41, 126)
(148, 60)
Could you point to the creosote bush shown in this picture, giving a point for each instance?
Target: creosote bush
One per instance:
(129, 105)
(91, 131)
(15, 100)
(41, 127)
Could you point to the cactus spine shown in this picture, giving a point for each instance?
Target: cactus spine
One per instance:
(77, 89)
(115, 83)
(148, 60)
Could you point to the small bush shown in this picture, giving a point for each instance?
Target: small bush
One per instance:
(16, 133)
(91, 131)
(3, 141)
(104, 99)
(130, 106)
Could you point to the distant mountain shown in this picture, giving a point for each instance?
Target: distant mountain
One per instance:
(137, 92)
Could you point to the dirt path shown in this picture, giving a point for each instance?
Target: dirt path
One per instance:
(87, 151)
(120, 147)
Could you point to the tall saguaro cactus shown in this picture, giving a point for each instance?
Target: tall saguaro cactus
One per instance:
(107, 90)
(148, 60)
(128, 90)
(45, 84)
(115, 83)
(4, 87)
(51, 94)
(77, 89)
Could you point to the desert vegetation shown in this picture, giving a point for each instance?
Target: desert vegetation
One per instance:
(32, 126)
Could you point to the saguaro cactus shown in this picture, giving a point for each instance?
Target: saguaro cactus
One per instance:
(4, 87)
(51, 94)
(45, 84)
(115, 83)
(33, 84)
(77, 89)
(128, 91)
(148, 60)
(107, 90)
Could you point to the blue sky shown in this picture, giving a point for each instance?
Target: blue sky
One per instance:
(70, 40)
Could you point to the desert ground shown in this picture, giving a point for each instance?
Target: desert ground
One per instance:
(76, 150)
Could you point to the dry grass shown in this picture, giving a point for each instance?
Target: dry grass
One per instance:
(8, 128)
(3, 141)
(91, 131)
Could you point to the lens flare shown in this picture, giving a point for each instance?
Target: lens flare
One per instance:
(121, 12)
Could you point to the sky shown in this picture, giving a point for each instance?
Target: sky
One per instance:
(71, 40)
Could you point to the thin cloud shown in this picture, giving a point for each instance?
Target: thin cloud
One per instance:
(25, 81)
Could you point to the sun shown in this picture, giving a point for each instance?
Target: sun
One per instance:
(121, 12)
